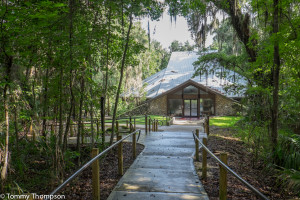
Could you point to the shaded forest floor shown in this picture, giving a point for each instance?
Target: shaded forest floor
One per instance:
(81, 188)
(241, 161)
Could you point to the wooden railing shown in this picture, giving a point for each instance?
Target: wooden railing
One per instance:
(95, 164)
(223, 165)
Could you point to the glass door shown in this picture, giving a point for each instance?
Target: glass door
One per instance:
(194, 108)
(190, 108)
(187, 107)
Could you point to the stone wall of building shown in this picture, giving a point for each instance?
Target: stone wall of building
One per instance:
(224, 106)
(154, 107)
(158, 106)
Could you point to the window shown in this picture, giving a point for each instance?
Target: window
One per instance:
(190, 90)
(203, 92)
(179, 92)
(207, 106)
(175, 107)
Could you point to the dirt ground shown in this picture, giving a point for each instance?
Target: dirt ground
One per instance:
(240, 160)
(81, 188)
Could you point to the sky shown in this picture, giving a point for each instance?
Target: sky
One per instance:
(166, 31)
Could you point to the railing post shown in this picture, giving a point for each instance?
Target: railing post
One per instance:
(153, 129)
(156, 125)
(223, 178)
(120, 156)
(207, 125)
(146, 127)
(197, 145)
(134, 145)
(204, 160)
(95, 175)
(149, 125)
(126, 123)
(166, 120)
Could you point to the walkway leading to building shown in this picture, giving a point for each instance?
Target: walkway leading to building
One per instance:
(164, 170)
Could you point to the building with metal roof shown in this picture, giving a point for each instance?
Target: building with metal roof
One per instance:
(175, 91)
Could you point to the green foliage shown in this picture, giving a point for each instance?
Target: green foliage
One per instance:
(287, 154)
(178, 46)
(70, 158)
(57, 59)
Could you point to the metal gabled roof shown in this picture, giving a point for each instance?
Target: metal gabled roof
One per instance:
(180, 69)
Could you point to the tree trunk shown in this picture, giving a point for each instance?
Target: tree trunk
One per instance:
(71, 76)
(16, 126)
(121, 79)
(102, 119)
(45, 106)
(60, 130)
(6, 111)
(276, 71)
(80, 113)
(107, 58)
(92, 123)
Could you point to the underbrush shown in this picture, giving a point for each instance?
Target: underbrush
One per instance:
(39, 166)
(285, 160)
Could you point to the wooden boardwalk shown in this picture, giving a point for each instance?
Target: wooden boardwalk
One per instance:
(164, 170)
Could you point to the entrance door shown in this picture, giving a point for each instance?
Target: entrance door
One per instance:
(190, 108)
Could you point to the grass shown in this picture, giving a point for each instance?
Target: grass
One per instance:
(224, 122)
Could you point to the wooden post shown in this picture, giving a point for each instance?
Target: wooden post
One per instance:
(149, 125)
(204, 160)
(207, 125)
(95, 175)
(223, 178)
(197, 146)
(166, 120)
(134, 146)
(156, 127)
(153, 126)
(146, 127)
(120, 156)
